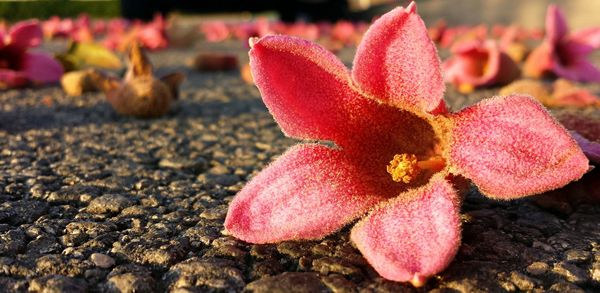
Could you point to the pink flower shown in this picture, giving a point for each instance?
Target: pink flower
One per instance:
(79, 29)
(308, 31)
(458, 34)
(479, 63)
(215, 31)
(344, 32)
(563, 53)
(389, 107)
(82, 30)
(18, 67)
(151, 35)
(55, 27)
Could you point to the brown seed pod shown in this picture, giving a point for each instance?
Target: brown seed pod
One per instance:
(140, 94)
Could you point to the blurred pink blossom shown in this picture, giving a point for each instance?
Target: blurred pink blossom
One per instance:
(563, 53)
(20, 67)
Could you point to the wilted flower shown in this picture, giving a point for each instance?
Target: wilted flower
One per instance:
(397, 149)
(140, 94)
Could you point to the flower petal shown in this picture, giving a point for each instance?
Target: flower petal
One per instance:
(480, 63)
(396, 62)
(556, 25)
(414, 236)
(308, 193)
(540, 61)
(577, 70)
(511, 147)
(26, 34)
(590, 148)
(12, 79)
(41, 68)
(588, 38)
(309, 93)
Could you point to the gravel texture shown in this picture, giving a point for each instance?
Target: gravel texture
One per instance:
(90, 200)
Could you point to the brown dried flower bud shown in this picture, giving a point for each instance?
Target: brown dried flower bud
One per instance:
(140, 94)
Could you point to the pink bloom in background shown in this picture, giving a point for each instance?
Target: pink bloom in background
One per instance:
(519, 33)
(344, 32)
(257, 28)
(116, 25)
(454, 35)
(152, 35)
(563, 53)
(215, 31)
(397, 150)
(308, 31)
(116, 31)
(18, 67)
(81, 29)
(479, 63)
(56, 27)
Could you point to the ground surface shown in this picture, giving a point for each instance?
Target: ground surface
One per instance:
(91, 200)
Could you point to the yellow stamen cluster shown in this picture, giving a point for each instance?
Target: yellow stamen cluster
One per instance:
(403, 168)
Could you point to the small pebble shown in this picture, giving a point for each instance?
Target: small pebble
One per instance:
(577, 256)
(571, 272)
(102, 260)
(538, 268)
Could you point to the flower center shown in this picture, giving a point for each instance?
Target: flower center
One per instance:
(406, 167)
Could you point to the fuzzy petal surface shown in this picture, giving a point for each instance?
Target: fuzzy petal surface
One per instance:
(41, 68)
(309, 93)
(511, 147)
(308, 193)
(26, 34)
(397, 63)
(413, 236)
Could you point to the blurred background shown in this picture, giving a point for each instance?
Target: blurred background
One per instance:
(529, 13)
